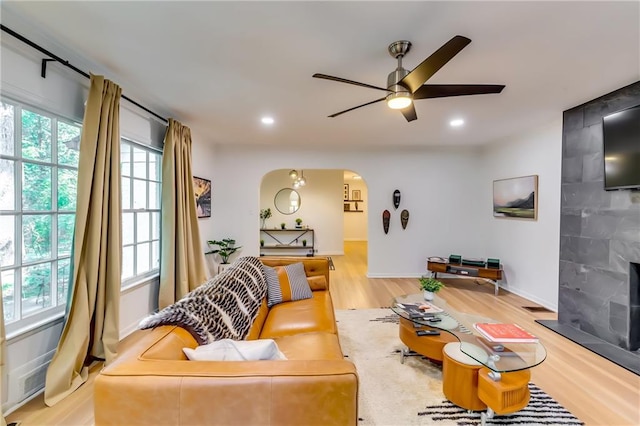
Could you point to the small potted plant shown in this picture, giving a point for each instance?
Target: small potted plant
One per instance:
(283, 225)
(430, 285)
(298, 223)
(261, 243)
(304, 243)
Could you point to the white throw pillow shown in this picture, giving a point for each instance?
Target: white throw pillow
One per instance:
(236, 350)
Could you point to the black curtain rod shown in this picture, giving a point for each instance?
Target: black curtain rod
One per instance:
(68, 65)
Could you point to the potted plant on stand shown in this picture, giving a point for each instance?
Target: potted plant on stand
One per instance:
(298, 223)
(429, 286)
(226, 248)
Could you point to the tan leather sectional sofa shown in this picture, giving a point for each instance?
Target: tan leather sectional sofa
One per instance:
(153, 383)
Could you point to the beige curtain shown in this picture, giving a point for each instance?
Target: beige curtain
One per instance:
(3, 351)
(182, 266)
(91, 323)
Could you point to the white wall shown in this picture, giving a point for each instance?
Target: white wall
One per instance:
(356, 224)
(439, 188)
(528, 250)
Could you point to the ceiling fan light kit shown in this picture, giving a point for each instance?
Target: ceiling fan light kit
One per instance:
(404, 87)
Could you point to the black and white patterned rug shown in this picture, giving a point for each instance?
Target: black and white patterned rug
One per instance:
(542, 410)
(392, 393)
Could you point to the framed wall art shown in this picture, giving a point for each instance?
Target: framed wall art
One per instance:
(202, 192)
(516, 198)
(346, 191)
(356, 195)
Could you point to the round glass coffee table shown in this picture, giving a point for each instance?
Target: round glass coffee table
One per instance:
(477, 373)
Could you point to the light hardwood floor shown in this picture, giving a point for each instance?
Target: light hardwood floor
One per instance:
(597, 391)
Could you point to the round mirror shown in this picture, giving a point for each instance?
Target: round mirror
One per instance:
(287, 201)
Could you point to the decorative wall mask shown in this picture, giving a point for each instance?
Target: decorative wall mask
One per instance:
(396, 198)
(404, 218)
(386, 218)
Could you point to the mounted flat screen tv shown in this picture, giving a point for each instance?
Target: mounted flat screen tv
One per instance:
(621, 139)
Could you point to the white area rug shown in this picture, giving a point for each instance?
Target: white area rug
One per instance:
(395, 394)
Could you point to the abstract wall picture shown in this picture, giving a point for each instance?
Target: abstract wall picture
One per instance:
(202, 191)
(516, 198)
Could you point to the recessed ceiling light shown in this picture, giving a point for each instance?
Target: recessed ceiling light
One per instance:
(457, 122)
(268, 120)
(357, 177)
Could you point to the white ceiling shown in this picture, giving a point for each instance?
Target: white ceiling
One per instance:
(220, 66)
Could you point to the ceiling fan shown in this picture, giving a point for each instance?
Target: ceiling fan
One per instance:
(404, 87)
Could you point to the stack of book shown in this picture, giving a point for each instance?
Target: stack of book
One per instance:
(504, 333)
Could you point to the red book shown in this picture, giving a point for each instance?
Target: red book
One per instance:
(505, 333)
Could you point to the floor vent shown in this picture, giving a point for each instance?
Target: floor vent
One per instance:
(537, 309)
(33, 381)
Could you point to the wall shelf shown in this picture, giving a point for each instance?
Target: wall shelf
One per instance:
(288, 239)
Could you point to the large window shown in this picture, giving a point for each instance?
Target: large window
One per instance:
(38, 179)
(141, 171)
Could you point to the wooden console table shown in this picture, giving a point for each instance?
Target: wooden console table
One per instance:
(492, 275)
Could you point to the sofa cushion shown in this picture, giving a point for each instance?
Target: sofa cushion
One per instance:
(236, 350)
(302, 316)
(222, 308)
(286, 283)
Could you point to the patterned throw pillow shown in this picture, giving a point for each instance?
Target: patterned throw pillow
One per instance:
(286, 283)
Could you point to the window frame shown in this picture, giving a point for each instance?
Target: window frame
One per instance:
(138, 279)
(23, 322)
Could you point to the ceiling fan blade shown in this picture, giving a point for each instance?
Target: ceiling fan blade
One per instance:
(444, 90)
(344, 80)
(356, 107)
(423, 72)
(409, 112)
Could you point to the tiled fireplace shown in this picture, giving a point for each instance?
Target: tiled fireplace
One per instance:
(599, 294)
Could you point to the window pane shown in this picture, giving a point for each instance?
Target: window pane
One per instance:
(155, 226)
(155, 165)
(126, 193)
(127, 229)
(139, 163)
(8, 279)
(139, 194)
(155, 255)
(125, 159)
(68, 144)
(36, 187)
(127, 262)
(7, 185)
(67, 189)
(142, 260)
(36, 136)
(142, 227)
(6, 129)
(66, 223)
(36, 288)
(63, 280)
(7, 240)
(154, 195)
(36, 237)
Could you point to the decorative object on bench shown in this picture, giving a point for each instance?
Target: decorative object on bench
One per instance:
(404, 218)
(396, 199)
(226, 248)
(286, 283)
(210, 312)
(386, 218)
(429, 286)
(298, 223)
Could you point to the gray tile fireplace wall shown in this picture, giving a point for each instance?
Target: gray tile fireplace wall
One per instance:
(599, 230)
